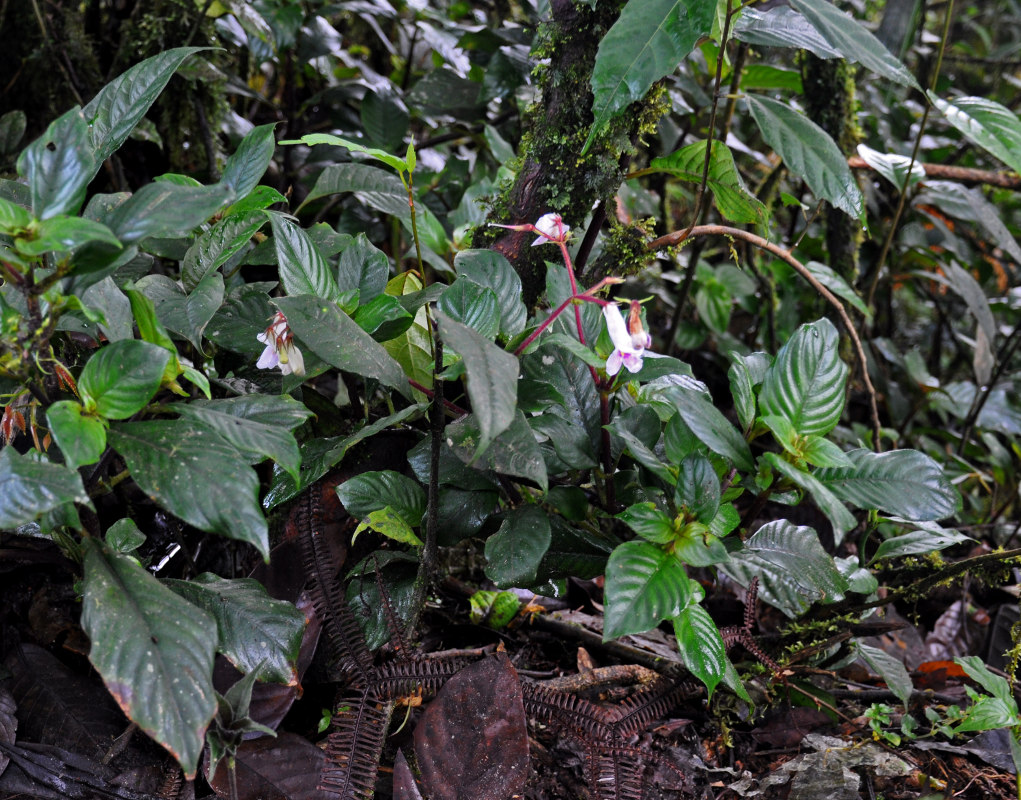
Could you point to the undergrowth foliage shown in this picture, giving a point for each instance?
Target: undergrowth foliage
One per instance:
(215, 350)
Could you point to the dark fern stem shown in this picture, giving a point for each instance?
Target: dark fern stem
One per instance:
(734, 635)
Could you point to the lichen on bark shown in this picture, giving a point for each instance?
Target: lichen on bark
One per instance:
(552, 174)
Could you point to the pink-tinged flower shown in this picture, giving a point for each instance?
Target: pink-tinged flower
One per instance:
(630, 339)
(280, 350)
(550, 227)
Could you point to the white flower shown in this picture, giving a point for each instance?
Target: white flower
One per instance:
(280, 350)
(550, 228)
(629, 339)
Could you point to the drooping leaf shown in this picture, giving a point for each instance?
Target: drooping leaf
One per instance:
(644, 585)
(58, 166)
(902, 482)
(805, 384)
(81, 438)
(481, 709)
(30, 488)
(254, 631)
(733, 199)
(514, 552)
(166, 209)
(701, 645)
(889, 668)
(303, 270)
(339, 341)
(647, 42)
(195, 475)
(794, 570)
(854, 41)
(893, 167)
(988, 124)
(809, 152)
(120, 105)
(781, 26)
(513, 452)
(492, 378)
(147, 642)
(246, 166)
(929, 538)
(121, 378)
(491, 269)
(255, 424)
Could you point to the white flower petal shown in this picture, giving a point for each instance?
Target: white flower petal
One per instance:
(617, 329)
(613, 363)
(633, 362)
(295, 360)
(269, 357)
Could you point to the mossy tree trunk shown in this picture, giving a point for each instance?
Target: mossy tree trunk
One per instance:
(553, 175)
(830, 102)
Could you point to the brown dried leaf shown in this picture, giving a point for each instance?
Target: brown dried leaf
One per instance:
(285, 768)
(472, 742)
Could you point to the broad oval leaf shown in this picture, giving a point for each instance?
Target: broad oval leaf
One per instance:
(805, 384)
(701, 645)
(794, 570)
(30, 488)
(513, 452)
(217, 245)
(119, 106)
(514, 552)
(809, 152)
(644, 585)
(372, 491)
(195, 475)
(81, 438)
(988, 124)
(491, 269)
(492, 375)
(854, 41)
(781, 26)
(364, 267)
(303, 270)
(698, 487)
(253, 629)
(122, 377)
(473, 305)
(166, 209)
(902, 482)
(148, 643)
(646, 43)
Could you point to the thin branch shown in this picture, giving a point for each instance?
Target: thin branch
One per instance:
(672, 239)
(982, 393)
(967, 175)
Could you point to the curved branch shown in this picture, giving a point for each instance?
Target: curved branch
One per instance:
(675, 238)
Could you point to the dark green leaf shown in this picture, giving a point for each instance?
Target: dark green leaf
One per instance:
(969, 204)
(124, 536)
(745, 373)
(713, 302)
(492, 378)
(649, 522)
(514, 452)
(492, 269)
(363, 267)
(781, 26)
(927, 539)
(217, 245)
(809, 152)
(644, 585)
(336, 339)
(187, 315)
(568, 441)
(12, 128)
(195, 475)
(701, 645)
(902, 482)
(473, 305)
(733, 199)
(119, 106)
(256, 424)
(793, 568)
(58, 166)
(828, 502)
(514, 552)
(261, 197)
(889, 668)
(641, 453)
(147, 643)
(121, 378)
(253, 629)
(832, 281)
(166, 209)
(29, 488)
(245, 168)
(383, 318)
(372, 491)
(646, 43)
(303, 270)
(854, 41)
(698, 487)
(805, 384)
(82, 439)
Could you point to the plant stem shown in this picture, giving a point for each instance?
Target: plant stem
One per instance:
(607, 454)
